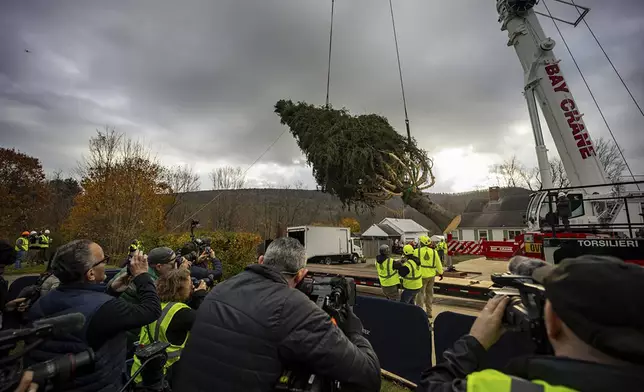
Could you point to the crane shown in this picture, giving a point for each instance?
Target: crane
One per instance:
(546, 85)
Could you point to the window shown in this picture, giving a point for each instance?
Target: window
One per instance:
(481, 235)
(456, 235)
(576, 205)
(511, 234)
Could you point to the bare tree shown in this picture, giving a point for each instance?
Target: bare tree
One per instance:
(558, 173)
(530, 178)
(228, 177)
(510, 172)
(610, 157)
(179, 180)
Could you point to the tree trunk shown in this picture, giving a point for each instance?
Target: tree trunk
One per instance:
(447, 221)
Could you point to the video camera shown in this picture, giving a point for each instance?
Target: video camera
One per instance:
(153, 357)
(16, 343)
(333, 294)
(330, 293)
(525, 311)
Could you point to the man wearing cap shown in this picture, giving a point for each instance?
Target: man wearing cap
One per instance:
(593, 318)
(160, 261)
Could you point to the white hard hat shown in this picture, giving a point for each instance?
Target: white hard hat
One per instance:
(32, 233)
(561, 194)
(46, 231)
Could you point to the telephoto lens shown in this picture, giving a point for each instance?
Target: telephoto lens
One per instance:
(62, 368)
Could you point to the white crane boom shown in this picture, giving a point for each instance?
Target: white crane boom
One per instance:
(545, 83)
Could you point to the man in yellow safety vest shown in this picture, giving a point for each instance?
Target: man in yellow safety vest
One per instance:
(431, 266)
(22, 246)
(45, 241)
(410, 274)
(388, 274)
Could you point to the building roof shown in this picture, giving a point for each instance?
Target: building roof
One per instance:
(507, 212)
(403, 225)
(380, 230)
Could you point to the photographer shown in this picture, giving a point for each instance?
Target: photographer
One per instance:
(198, 264)
(594, 323)
(161, 261)
(208, 258)
(256, 324)
(10, 311)
(80, 266)
(175, 290)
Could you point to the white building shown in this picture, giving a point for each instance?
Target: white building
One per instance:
(496, 218)
(404, 230)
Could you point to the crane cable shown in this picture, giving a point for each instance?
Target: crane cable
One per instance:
(402, 85)
(609, 60)
(601, 113)
(328, 71)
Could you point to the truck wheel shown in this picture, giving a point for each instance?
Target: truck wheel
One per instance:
(327, 261)
(354, 259)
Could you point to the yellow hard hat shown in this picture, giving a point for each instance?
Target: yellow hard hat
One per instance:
(408, 249)
(424, 240)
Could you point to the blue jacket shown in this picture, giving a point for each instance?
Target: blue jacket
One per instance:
(106, 375)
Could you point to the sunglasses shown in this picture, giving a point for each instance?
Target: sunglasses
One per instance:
(105, 260)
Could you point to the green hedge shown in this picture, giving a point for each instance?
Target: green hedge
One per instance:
(235, 250)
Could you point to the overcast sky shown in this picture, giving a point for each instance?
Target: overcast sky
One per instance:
(197, 80)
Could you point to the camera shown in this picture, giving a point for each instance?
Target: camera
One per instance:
(333, 294)
(16, 343)
(525, 311)
(209, 281)
(153, 357)
(330, 293)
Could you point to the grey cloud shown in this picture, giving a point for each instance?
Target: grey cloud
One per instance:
(199, 78)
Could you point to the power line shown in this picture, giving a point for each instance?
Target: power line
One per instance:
(601, 113)
(243, 174)
(609, 61)
(328, 71)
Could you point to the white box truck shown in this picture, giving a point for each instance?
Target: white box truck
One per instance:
(327, 244)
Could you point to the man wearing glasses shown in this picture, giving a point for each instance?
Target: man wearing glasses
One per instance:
(80, 267)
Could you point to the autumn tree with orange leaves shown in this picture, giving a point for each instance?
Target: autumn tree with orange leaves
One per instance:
(125, 193)
(351, 223)
(23, 191)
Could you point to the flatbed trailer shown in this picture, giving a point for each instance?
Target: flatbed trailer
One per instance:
(455, 287)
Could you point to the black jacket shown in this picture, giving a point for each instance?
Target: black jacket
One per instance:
(253, 326)
(563, 207)
(468, 356)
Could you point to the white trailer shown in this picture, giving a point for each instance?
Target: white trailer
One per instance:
(327, 244)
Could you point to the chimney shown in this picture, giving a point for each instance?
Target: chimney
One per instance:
(494, 193)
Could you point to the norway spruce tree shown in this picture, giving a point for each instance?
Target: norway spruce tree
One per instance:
(362, 160)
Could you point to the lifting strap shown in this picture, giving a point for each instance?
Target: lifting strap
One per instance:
(402, 84)
(328, 70)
